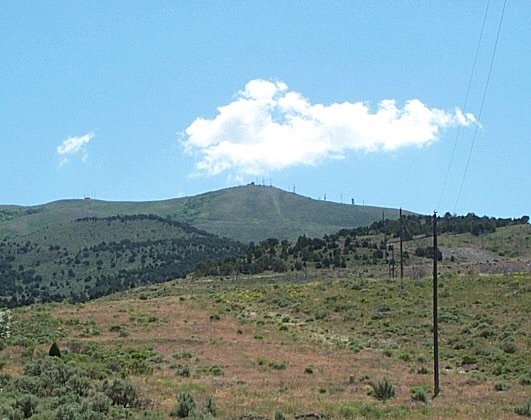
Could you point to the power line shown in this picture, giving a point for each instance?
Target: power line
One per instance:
(482, 103)
(465, 103)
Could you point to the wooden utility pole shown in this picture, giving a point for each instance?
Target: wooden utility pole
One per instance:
(435, 312)
(386, 255)
(401, 254)
(393, 260)
(384, 227)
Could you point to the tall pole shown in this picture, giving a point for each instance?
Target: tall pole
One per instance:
(401, 254)
(386, 257)
(435, 314)
(393, 259)
(384, 227)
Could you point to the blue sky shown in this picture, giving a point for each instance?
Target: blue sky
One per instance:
(135, 100)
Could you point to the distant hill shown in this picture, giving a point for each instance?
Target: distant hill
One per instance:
(247, 213)
(83, 249)
(65, 254)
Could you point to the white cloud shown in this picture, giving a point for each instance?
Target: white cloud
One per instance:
(267, 127)
(72, 146)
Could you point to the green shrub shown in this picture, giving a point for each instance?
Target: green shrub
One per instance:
(406, 357)
(370, 411)
(469, 360)
(501, 386)
(11, 413)
(387, 352)
(157, 358)
(216, 370)
(523, 410)
(79, 384)
(139, 366)
(423, 370)
(5, 379)
(278, 365)
(308, 370)
(509, 347)
(347, 412)
(52, 377)
(183, 355)
(210, 407)
(383, 390)
(418, 394)
(185, 406)
(99, 403)
(279, 415)
(70, 410)
(120, 329)
(487, 332)
(27, 404)
(184, 371)
(32, 385)
(121, 392)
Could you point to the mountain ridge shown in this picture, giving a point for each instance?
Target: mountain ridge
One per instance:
(244, 213)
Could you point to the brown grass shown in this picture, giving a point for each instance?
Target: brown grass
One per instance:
(250, 384)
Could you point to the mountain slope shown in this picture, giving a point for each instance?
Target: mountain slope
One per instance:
(93, 257)
(248, 213)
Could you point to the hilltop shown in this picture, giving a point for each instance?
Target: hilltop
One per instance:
(247, 213)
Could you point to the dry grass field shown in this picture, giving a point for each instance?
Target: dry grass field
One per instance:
(268, 347)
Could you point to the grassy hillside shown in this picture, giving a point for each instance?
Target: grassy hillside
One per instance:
(316, 327)
(271, 347)
(333, 338)
(254, 213)
(93, 257)
(249, 213)
(375, 249)
(83, 249)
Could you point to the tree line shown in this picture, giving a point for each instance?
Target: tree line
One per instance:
(357, 245)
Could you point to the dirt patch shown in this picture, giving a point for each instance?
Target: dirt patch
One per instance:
(466, 254)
